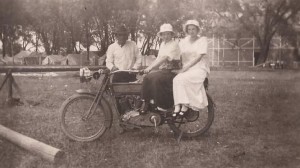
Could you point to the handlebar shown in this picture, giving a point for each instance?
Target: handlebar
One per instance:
(130, 71)
(106, 71)
(86, 75)
(96, 75)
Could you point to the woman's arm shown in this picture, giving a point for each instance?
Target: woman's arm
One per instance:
(138, 57)
(156, 63)
(202, 51)
(192, 63)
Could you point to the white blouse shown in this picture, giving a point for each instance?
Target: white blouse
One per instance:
(171, 51)
(189, 51)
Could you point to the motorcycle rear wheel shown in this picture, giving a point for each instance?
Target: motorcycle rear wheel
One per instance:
(189, 126)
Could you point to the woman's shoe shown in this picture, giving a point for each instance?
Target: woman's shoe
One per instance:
(175, 113)
(181, 113)
(144, 107)
(176, 110)
(183, 110)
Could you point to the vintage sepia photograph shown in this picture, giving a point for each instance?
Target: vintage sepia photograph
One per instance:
(149, 84)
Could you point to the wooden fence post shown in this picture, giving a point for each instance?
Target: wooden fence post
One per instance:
(47, 152)
(10, 87)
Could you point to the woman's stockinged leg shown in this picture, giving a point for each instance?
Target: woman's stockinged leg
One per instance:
(177, 108)
(180, 97)
(184, 108)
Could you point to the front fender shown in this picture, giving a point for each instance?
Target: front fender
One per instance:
(86, 91)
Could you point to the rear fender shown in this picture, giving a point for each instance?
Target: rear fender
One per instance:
(108, 113)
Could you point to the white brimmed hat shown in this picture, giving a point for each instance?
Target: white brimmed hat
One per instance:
(165, 28)
(191, 22)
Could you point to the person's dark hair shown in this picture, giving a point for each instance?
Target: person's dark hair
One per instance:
(121, 30)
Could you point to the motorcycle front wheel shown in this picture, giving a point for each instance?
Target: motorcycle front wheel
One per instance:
(79, 124)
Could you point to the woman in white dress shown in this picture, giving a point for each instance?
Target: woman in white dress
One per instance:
(188, 88)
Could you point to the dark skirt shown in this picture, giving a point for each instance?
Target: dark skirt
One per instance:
(159, 87)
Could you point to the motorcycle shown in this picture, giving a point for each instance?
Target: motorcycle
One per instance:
(86, 116)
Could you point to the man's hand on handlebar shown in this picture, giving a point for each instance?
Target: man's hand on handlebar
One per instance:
(128, 71)
(147, 70)
(114, 68)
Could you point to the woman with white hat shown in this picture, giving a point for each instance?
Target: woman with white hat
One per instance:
(157, 85)
(188, 88)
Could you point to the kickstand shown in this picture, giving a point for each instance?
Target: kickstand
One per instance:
(181, 132)
(179, 137)
(155, 126)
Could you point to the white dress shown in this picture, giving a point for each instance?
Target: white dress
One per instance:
(188, 86)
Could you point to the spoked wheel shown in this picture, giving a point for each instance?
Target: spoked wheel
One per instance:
(80, 125)
(193, 123)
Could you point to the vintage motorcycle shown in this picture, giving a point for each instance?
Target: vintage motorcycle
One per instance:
(86, 116)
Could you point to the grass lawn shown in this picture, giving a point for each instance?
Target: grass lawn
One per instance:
(257, 124)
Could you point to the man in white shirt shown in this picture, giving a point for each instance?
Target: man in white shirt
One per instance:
(123, 55)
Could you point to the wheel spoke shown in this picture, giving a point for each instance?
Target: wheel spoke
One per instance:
(80, 124)
(194, 123)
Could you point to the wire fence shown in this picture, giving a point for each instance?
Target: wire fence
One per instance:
(245, 51)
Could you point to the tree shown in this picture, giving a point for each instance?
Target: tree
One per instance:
(108, 15)
(11, 19)
(72, 24)
(262, 18)
(175, 12)
(26, 36)
(152, 15)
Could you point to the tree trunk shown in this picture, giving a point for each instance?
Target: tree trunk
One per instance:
(54, 42)
(4, 47)
(105, 41)
(37, 43)
(46, 43)
(73, 42)
(132, 34)
(264, 51)
(265, 46)
(4, 41)
(11, 48)
(23, 45)
(86, 62)
(74, 47)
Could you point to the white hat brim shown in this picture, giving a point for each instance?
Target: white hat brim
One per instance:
(191, 23)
